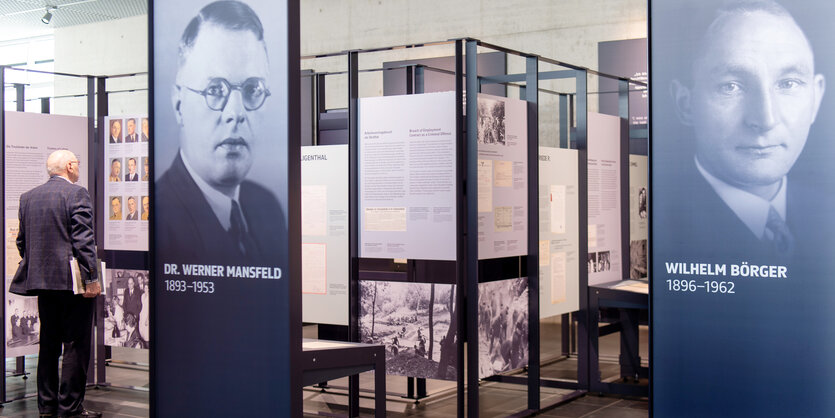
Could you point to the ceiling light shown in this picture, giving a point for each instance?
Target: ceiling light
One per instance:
(48, 16)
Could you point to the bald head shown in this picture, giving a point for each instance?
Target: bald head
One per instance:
(56, 163)
(63, 163)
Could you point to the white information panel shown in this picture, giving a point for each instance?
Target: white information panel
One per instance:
(407, 176)
(325, 234)
(559, 262)
(126, 173)
(30, 138)
(604, 198)
(638, 215)
(502, 177)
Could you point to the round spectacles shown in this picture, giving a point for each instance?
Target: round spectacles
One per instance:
(253, 91)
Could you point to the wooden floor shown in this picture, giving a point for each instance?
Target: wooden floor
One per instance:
(496, 399)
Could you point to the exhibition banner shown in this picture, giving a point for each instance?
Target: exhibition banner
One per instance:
(638, 215)
(30, 138)
(407, 176)
(559, 232)
(502, 177)
(225, 161)
(604, 256)
(742, 208)
(325, 234)
(126, 174)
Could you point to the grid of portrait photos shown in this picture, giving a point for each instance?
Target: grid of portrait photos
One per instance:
(416, 323)
(127, 204)
(126, 309)
(502, 326)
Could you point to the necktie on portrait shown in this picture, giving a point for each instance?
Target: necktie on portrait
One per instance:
(239, 231)
(781, 237)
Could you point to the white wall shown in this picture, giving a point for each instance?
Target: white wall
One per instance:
(565, 30)
(103, 48)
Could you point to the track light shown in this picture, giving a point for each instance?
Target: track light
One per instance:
(48, 16)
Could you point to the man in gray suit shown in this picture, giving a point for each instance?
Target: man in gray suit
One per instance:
(56, 223)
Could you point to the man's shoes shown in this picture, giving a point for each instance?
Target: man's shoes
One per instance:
(87, 413)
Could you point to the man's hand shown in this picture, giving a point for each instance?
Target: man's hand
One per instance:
(92, 290)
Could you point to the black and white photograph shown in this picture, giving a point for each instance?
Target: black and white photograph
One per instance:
(603, 261)
(415, 321)
(741, 172)
(642, 203)
(491, 122)
(223, 113)
(638, 259)
(24, 328)
(592, 263)
(502, 326)
(126, 322)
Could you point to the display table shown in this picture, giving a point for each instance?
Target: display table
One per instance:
(629, 297)
(324, 360)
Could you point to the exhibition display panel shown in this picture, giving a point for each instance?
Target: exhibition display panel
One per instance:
(324, 203)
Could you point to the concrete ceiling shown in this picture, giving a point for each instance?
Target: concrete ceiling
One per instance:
(22, 18)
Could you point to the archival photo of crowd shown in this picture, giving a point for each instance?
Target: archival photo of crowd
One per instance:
(416, 322)
(502, 326)
(126, 310)
(491, 118)
(24, 327)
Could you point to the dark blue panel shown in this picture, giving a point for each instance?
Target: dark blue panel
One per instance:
(745, 109)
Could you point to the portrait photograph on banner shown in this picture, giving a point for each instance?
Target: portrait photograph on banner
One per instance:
(742, 202)
(220, 167)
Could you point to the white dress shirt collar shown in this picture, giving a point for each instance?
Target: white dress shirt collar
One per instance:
(750, 208)
(220, 203)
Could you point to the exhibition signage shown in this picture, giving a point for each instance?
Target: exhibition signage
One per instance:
(559, 235)
(126, 174)
(225, 214)
(30, 138)
(325, 234)
(624, 58)
(604, 255)
(502, 177)
(407, 176)
(742, 209)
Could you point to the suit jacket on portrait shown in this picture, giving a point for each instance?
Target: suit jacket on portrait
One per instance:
(134, 177)
(144, 138)
(189, 231)
(114, 140)
(56, 223)
(132, 217)
(132, 138)
(764, 318)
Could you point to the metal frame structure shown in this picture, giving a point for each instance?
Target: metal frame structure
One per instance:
(92, 175)
(572, 106)
(138, 260)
